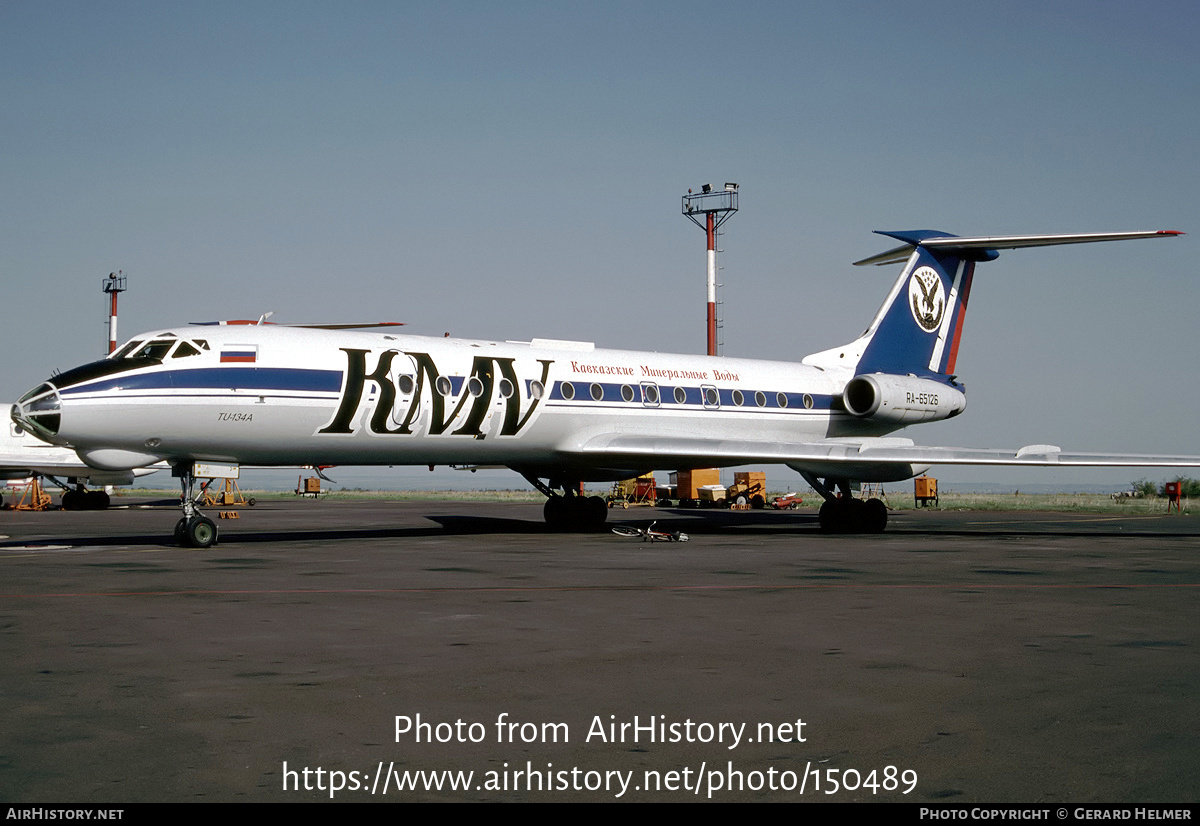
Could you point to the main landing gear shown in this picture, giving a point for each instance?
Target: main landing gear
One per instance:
(849, 515)
(194, 530)
(845, 514)
(570, 510)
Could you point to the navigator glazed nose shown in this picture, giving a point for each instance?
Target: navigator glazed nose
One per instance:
(40, 412)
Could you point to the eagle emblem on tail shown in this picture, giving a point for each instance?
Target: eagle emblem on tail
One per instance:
(926, 298)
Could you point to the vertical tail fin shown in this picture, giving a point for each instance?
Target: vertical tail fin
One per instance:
(918, 329)
(919, 326)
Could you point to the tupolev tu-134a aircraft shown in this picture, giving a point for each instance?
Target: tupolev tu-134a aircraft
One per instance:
(560, 413)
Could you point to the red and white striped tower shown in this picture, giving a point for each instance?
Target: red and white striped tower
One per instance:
(113, 285)
(710, 229)
(716, 207)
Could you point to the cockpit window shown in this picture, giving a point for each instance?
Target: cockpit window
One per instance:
(125, 351)
(184, 350)
(156, 350)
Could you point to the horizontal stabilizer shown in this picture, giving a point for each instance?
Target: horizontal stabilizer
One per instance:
(950, 243)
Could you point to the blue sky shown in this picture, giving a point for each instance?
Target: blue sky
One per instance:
(514, 170)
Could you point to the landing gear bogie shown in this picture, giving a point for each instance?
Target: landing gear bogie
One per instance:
(575, 513)
(853, 516)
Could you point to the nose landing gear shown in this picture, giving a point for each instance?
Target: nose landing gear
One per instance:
(194, 530)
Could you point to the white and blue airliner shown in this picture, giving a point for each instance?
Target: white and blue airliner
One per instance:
(560, 413)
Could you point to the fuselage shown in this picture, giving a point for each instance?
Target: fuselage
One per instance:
(267, 395)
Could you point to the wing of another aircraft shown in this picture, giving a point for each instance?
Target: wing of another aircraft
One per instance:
(22, 456)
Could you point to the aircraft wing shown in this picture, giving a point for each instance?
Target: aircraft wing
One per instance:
(854, 455)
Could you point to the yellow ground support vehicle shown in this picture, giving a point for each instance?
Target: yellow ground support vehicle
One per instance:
(637, 491)
(749, 490)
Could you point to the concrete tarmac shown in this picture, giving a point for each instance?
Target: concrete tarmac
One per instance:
(959, 657)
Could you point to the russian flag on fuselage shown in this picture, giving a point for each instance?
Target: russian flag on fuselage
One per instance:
(241, 353)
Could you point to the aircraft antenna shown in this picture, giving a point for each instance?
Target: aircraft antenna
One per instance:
(717, 207)
(113, 285)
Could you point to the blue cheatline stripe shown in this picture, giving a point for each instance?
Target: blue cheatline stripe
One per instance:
(694, 396)
(241, 378)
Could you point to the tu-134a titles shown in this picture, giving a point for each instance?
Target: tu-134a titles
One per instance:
(559, 413)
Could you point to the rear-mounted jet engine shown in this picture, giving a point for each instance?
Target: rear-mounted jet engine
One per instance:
(882, 397)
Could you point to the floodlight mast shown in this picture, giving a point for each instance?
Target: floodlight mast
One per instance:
(113, 285)
(717, 207)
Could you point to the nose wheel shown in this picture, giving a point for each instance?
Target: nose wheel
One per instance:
(197, 532)
(194, 530)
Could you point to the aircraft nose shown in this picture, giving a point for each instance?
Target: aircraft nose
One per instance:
(40, 412)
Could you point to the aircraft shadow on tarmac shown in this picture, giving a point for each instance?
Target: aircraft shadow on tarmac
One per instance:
(697, 524)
